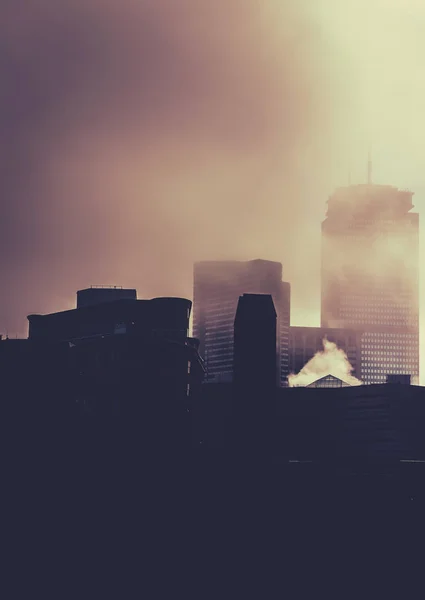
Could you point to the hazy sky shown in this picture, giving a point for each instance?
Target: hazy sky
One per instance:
(138, 136)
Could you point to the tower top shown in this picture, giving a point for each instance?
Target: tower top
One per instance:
(369, 168)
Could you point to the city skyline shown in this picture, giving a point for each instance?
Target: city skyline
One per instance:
(298, 318)
(231, 156)
(274, 420)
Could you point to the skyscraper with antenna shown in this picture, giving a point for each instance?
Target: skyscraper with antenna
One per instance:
(370, 275)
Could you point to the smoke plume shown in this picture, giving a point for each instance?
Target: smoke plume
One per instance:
(329, 361)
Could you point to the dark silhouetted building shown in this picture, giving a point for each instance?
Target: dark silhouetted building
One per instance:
(217, 288)
(326, 424)
(254, 376)
(97, 294)
(135, 374)
(127, 356)
(35, 378)
(167, 317)
(304, 342)
(370, 253)
(255, 343)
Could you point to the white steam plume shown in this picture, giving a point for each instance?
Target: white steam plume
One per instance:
(329, 361)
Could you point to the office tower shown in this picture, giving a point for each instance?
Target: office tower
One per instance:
(304, 342)
(217, 288)
(255, 343)
(370, 253)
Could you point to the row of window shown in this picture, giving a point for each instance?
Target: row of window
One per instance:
(214, 328)
(219, 315)
(388, 352)
(377, 308)
(396, 365)
(228, 316)
(376, 320)
(369, 320)
(383, 355)
(218, 354)
(411, 349)
(377, 295)
(384, 352)
(395, 336)
(221, 301)
(409, 319)
(392, 363)
(382, 371)
(222, 335)
(218, 364)
(387, 300)
(220, 371)
(390, 344)
(368, 292)
(214, 354)
(228, 359)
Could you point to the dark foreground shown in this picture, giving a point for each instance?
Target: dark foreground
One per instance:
(129, 508)
(126, 522)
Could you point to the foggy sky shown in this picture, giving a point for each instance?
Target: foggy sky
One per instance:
(139, 136)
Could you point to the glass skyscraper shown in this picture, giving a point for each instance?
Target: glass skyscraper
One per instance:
(217, 288)
(370, 276)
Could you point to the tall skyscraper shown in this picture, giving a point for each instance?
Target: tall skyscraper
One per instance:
(217, 287)
(370, 276)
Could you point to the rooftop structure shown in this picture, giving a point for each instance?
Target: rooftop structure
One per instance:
(165, 316)
(97, 294)
(328, 381)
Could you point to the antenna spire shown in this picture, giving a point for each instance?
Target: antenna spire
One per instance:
(369, 168)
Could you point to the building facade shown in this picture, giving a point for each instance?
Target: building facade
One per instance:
(217, 288)
(370, 276)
